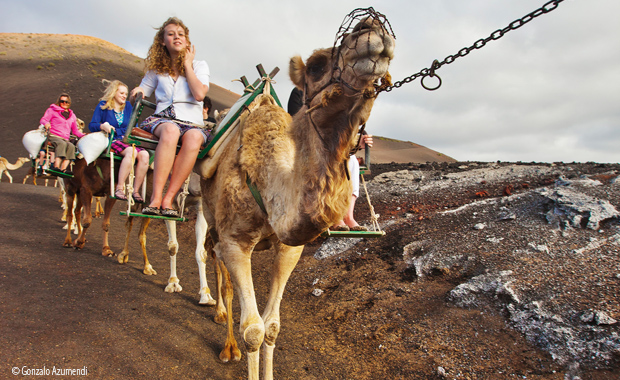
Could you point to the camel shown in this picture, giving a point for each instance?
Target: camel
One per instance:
(88, 180)
(5, 166)
(193, 198)
(62, 198)
(298, 167)
(46, 177)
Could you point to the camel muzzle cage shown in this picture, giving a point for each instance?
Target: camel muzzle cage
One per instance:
(357, 22)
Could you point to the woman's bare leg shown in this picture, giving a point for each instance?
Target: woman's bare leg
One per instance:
(190, 147)
(168, 134)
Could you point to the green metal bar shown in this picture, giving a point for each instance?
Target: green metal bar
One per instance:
(139, 215)
(231, 120)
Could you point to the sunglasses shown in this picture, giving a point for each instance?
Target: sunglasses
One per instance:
(64, 101)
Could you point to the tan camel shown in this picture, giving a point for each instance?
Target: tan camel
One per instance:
(46, 177)
(298, 166)
(173, 286)
(5, 166)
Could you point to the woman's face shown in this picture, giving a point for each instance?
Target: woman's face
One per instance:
(64, 102)
(174, 38)
(121, 95)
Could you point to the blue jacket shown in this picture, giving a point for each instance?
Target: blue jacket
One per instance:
(100, 116)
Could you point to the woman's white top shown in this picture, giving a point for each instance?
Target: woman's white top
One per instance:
(169, 91)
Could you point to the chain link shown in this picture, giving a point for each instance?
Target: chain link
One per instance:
(496, 35)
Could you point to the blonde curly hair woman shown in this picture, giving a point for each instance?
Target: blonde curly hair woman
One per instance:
(180, 83)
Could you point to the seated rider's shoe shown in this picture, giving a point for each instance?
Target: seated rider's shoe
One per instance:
(358, 228)
(170, 212)
(120, 195)
(138, 198)
(148, 210)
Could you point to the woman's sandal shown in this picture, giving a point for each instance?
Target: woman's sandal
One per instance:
(148, 210)
(120, 194)
(359, 228)
(170, 212)
(137, 197)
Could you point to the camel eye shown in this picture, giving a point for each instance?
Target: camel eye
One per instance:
(316, 69)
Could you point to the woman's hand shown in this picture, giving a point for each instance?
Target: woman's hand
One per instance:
(107, 128)
(134, 93)
(366, 140)
(190, 55)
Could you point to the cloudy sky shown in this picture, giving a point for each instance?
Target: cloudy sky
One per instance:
(549, 91)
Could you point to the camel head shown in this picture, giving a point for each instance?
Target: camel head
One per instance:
(360, 57)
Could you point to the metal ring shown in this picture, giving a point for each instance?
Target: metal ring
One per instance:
(430, 88)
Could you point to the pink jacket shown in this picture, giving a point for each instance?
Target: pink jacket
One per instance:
(60, 126)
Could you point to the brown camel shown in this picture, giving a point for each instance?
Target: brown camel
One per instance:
(88, 181)
(5, 166)
(298, 166)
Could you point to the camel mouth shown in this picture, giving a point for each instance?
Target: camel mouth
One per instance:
(366, 44)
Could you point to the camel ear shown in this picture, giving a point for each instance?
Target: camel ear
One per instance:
(297, 71)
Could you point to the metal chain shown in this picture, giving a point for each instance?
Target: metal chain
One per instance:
(496, 35)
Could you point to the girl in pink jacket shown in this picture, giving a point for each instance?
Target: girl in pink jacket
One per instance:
(61, 122)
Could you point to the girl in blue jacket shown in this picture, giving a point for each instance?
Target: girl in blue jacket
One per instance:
(113, 113)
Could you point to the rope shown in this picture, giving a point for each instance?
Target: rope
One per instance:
(129, 187)
(268, 81)
(374, 219)
(183, 196)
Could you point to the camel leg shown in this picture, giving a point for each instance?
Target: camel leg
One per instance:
(69, 219)
(107, 213)
(99, 210)
(220, 306)
(201, 256)
(173, 248)
(148, 268)
(8, 175)
(75, 226)
(84, 201)
(123, 257)
(237, 261)
(231, 350)
(285, 261)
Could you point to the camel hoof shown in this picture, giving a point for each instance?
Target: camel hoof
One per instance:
(207, 300)
(107, 251)
(123, 257)
(67, 245)
(173, 287)
(149, 271)
(220, 318)
(79, 244)
(230, 353)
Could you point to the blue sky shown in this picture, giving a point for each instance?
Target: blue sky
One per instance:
(549, 91)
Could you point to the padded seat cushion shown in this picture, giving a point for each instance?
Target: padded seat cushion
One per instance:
(137, 132)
